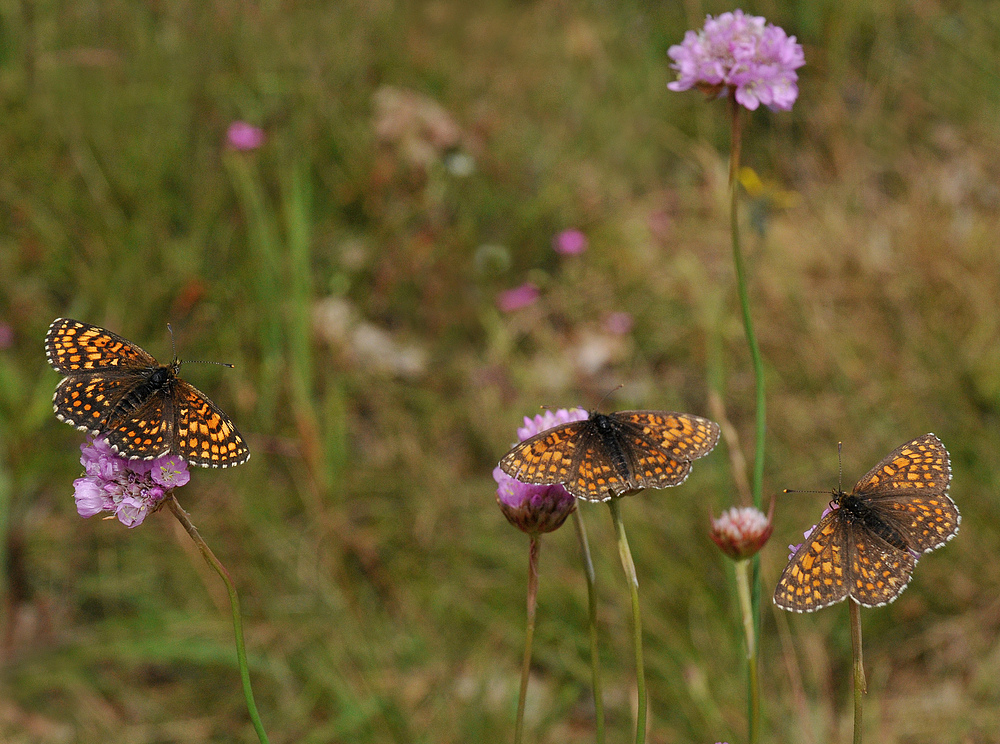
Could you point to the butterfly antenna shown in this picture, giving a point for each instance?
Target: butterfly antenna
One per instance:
(840, 468)
(191, 361)
(609, 394)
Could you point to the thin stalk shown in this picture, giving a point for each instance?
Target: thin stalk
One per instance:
(743, 571)
(234, 601)
(595, 656)
(633, 587)
(736, 143)
(529, 634)
(860, 686)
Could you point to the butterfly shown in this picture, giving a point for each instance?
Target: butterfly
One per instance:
(115, 389)
(607, 455)
(866, 546)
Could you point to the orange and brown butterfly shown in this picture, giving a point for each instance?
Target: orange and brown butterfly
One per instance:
(607, 455)
(117, 390)
(866, 546)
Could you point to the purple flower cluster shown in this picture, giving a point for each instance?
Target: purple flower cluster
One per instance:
(742, 53)
(536, 509)
(129, 489)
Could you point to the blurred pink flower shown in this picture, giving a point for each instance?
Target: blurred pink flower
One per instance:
(570, 243)
(518, 297)
(618, 323)
(243, 137)
(6, 336)
(742, 53)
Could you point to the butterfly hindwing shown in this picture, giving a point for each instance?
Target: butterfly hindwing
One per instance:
(879, 571)
(203, 434)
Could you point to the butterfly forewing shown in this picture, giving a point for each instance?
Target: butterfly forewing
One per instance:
(73, 347)
(204, 434)
(547, 457)
(921, 465)
(683, 436)
(816, 576)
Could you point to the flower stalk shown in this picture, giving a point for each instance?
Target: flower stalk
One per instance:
(529, 634)
(860, 685)
(234, 601)
(633, 587)
(595, 656)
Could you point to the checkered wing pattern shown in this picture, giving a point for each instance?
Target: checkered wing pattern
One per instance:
(596, 478)
(203, 434)
(879, 571)
(142, 434)
(909, 491)
(817, 575)
(87, 400)
(116, 389)
(548, 457)
(73, 347)
(681, 436)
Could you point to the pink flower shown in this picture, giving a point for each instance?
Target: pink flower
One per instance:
(618, 323)
(742, 531)
(570, 243)
(129, 489)
(531, 508)
(742, 53)
(517, 298)
(243, 136)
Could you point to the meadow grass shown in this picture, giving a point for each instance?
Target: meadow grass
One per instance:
(383, 592)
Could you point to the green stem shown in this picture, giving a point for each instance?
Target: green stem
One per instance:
(595, 657)
(234, 600)
(736, 143)
(743, 580)
(860, 686)
(529, 634)
(633, 587)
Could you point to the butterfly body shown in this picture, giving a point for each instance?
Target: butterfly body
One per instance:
(608, 455)
(114, 388)
(867, 545)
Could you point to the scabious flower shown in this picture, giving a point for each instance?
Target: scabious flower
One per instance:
(243, 136)
(531, 508)
(570, 243)
(517, 298)
(741, 53)
(742, 531)
(129, 489)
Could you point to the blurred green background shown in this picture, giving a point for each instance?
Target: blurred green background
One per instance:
(420, 159)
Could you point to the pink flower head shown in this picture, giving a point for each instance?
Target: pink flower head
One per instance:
(570, 243)
(742, 531)
(129, 489)
(243, 136)
(741, 53)
(618, 323)
(531, 508)
(517, 298)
